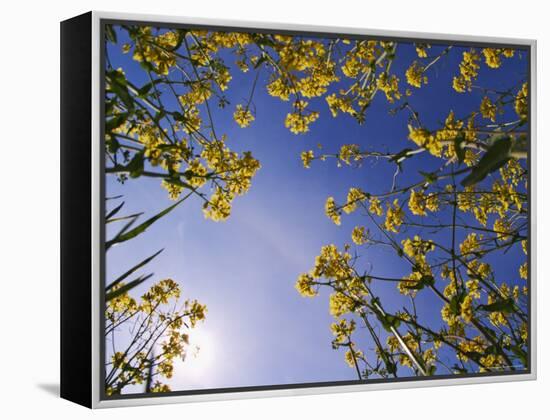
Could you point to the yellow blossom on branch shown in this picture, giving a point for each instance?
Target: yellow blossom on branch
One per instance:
(243, 116)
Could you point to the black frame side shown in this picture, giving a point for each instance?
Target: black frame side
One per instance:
(76, 178)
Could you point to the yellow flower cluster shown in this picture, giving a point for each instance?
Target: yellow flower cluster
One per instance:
(332, 212)
(503, 228)
(307, 157)
(159, 387)
(488, 109)
(219, 206)
(349, 152)
(159, 294)
(468, 69)
(340, 304)
(415, 75)
(359, 235)
(471, 244)
(479, 269)
(355, 195)
(199, 92)
(375, 206)
(497, 318)
(349, 289)
(174, 190)
(421, 50)
(298, 122)
(196, 173)
(475, 345)
(243, 116)
(520, 104)
(351, 356)
(425, 139)
(456, 327)
(332, 264)
(304, 285)
(280, 88)
(342, 330)
(416, 249)
(420, 202)
(122, 303)
(156, 50)
(466, 309)
(352, 67)
(340, 103)
(448, 134)
(196, 311)
(394, 217)
(523, 271)
(238, 172)
(506, 196)
(131, 367)
(213, 41)
(411, 342)
(493, 56)
(390, 86)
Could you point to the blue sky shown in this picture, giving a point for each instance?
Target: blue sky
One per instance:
(259, 330)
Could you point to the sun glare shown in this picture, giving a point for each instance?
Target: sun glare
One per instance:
(201, 356)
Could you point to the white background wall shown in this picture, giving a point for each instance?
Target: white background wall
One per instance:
(29, 209)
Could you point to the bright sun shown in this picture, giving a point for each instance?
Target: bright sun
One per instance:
(201, 355)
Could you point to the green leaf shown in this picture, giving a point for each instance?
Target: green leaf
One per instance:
(390, 366)
(388, 321)
(160, 115)
(124, 229)
(426, 280)
(177, 181)
(111, 295)
(110, 34)
(142, 227)
(474, 355)
(115, 122)
(120, 219)
(146, 88)
(400, 156)
(181, 36)
(135, 166)
(520, 353)
(133, 270)
(456, 301)
(119, 86)
(262, 59)
(112, 145)
(430, 177)
(114, 211)
(496, 156)
(459, 149)
(505, 306)
(431, 370)
(147, 66)
(264, 40)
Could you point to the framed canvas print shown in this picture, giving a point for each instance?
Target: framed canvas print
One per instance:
(253, 209)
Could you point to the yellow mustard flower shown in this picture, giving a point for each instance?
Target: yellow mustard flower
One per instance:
(394, 217)
(488, 109)
(304, 286)
(359, 235)
(307, 157)
(243, 116)
(415, 75)
(332, 211)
